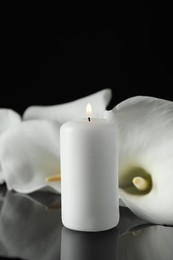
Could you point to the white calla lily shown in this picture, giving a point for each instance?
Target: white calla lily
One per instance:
(71, 110)
(8, 119)
(145, 134)
(29, 153)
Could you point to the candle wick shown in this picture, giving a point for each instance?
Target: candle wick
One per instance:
(89, 119)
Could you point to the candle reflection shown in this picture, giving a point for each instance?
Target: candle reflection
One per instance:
(76, 245)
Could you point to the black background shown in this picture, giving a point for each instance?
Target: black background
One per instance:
(54, 56)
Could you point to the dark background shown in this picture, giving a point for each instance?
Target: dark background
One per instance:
(51, 58)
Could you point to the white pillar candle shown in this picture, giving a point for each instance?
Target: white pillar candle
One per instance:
(89, 179)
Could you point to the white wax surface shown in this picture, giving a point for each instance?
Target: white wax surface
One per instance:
(89, 177)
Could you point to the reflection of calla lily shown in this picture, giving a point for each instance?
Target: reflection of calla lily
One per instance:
(71, 110)
(145, 126)
(128, 220)
(28, 230)
(30, 152)
(154, 242)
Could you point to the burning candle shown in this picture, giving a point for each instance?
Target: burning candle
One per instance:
(89, 178)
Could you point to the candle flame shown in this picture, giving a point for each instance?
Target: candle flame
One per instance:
(88, 111)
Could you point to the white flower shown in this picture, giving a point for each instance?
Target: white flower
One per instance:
(29, 153)
(145, 135)
(8, 120)
(71, 110)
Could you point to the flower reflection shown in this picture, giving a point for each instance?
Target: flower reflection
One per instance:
(29, 230)
(153, 242)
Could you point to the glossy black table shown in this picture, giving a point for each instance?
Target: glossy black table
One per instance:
(31, 229)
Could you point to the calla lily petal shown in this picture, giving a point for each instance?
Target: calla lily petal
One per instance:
(29, 153)
(8, 119)
(145, 134)
(71, 110)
